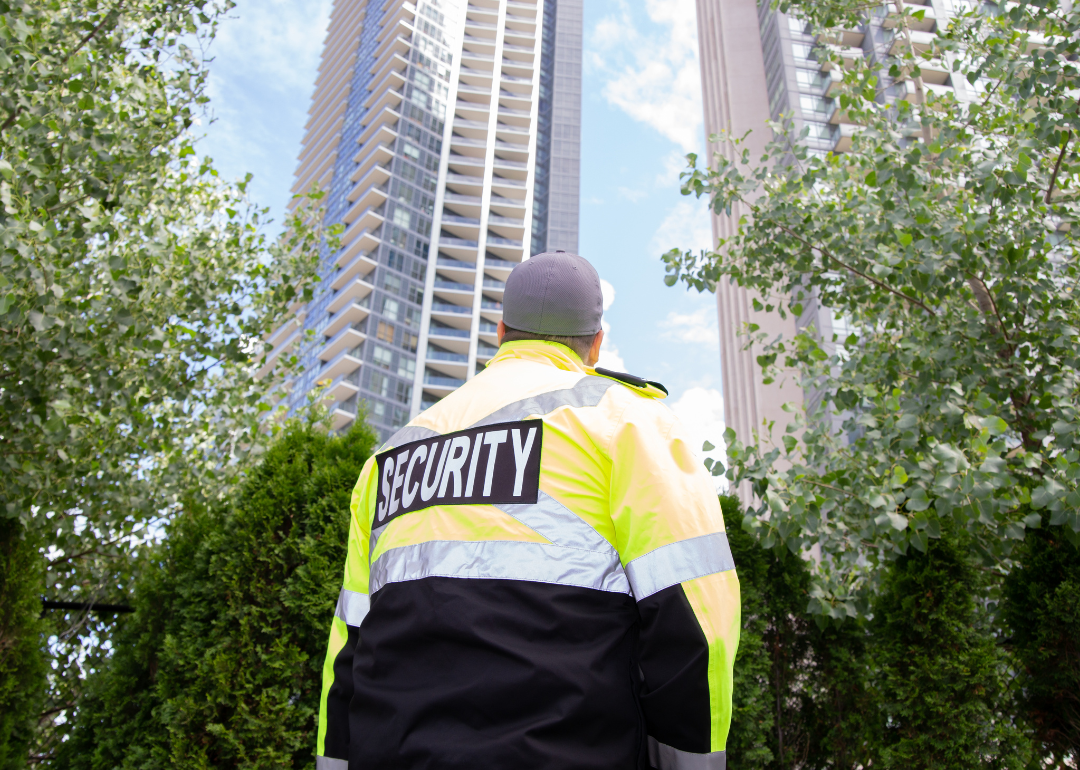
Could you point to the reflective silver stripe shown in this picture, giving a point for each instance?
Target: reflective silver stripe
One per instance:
(375, 535)
(352, 607)
(500, 560)
(558, 524)
(587, 392)
(678, 562)
(665, 757)
(407, 434)
(329, 763)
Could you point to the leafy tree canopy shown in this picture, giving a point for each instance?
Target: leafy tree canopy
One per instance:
(944, 240)
(135, 286)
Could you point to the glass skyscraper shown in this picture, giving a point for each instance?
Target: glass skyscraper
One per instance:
(447, 136)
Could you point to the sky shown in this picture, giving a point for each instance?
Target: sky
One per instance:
(641, 114)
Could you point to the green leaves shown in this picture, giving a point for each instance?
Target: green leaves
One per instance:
(951, 394)
(132, 279)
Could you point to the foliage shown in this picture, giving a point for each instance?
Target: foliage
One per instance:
(953, 263)
(135, 288)
(800, 695)
(22, 666)
(221, 665)
(941, 678)
(923, 684)
(1041, 609)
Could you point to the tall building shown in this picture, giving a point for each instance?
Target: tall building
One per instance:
(758, 64)
(447, 137)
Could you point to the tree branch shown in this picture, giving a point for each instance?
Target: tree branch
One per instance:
(1057, 167)
(859, 273)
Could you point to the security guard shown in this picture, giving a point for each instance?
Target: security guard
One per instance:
(537, 573)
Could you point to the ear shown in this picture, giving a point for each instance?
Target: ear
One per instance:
(594, 349)
(501, 330)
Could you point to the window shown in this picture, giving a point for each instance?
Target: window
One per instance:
(382, 357)
(407, 366)
(815, 104)
(411, 150)
(390, 307)
(409, 341)
(402, 217)
(392, 283)
(385, 332)
(379, 384)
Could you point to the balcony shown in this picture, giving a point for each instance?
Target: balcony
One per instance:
(494, 283)
(348, 338)
(920, 41)
(435, 354)
(276, 353)
(928, 22)
(361, 265)
(844, 136)
(352, 315)
(442, 382)
(343, 363)
(848, 38)
(448, 331)
(458, 246)
(355, 290)
(490, 304)
(444, 285)
(449, 307)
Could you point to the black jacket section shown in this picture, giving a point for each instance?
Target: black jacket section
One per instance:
(675, 662)
(338, 698)
(465, 673)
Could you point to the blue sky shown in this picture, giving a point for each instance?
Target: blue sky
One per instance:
(641, 113)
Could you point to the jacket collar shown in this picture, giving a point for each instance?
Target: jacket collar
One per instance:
(541, 352)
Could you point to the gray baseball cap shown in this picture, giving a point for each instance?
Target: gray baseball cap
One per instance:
(554, 293)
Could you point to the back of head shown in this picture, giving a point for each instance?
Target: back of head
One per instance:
(554, 296)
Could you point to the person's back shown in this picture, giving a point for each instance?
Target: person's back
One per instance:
(549, 583)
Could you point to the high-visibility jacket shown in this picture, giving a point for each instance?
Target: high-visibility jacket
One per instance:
(537, 577)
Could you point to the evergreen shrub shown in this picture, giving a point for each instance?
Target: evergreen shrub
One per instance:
(221, 663)
(940, 675)
(1041, 610)
(22, 662)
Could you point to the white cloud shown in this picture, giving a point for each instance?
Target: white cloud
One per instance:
(698, 326)
(674, 165)
(632, 195)
(608, 291)
(686, 226)
(265, 61)
(701, 411)
(609, 354)
(653, 76)
(280, 41)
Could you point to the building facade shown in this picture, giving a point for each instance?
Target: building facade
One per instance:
(757, 65)
(446, 134)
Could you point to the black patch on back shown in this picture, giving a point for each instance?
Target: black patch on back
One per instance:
(493, 464)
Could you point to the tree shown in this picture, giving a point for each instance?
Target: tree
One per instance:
(135, 290)
(801, 695)
(954, 262)
(1041, 611)
(221, 664)
(940, 676)
(22, 664)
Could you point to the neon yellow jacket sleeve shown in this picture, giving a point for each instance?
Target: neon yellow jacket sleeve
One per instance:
(670, 536)
(352, 607)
